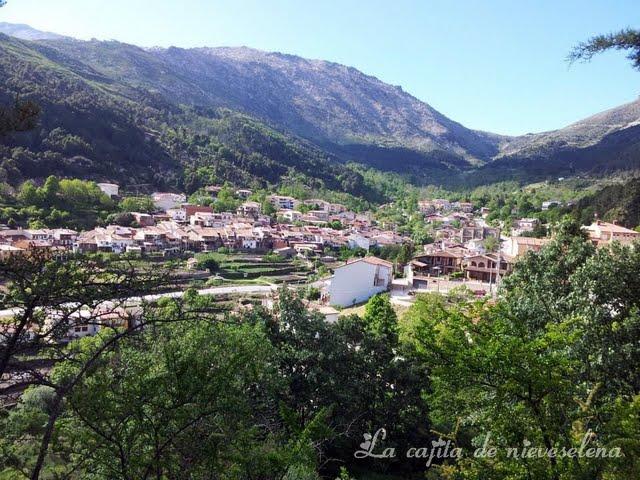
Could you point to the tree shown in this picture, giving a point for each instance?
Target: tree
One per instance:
(19, 117)
(208, 262)
(137, 204)
(380, 318)
(491, 244)
(627, 39)
(49, 299)
(124, 219)
(547, 364)
(29, 194)
(226, 200)
(185, 399)
(367, 381)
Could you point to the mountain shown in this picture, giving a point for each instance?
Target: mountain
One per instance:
(600, 145)
(25, 32)
(186, 116)
(582, 134)
(325, 102)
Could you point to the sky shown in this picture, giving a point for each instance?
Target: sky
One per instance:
(494, 65)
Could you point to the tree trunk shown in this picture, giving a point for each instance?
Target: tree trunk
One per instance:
(46, 438)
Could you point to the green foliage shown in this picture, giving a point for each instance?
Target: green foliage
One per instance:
(208, 261)
(274, 394)
(335, 224)
(19, 117)
(380, 318)
(491, 244)
(272, 257)
(344, 366)
(124, 219)
(137, 204)
(59, 203)
(182, 386)
(626, 39)
(400, 254)
(619, 202)
(547, 364)
(226, 200)
(312, 293)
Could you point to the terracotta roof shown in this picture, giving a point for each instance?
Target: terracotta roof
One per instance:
(611, 227)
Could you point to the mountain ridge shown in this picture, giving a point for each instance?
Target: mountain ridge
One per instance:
(344, 113)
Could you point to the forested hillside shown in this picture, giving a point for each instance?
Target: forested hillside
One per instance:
(178, 118)
(615, 203)
(90, 128)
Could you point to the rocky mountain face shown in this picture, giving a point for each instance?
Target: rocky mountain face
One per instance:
(339, 112)
(25, 32)
(582, 134)
(325, 102)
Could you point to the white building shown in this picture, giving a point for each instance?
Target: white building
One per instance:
(358, 280)
(243, 193)
(110, 189)
(527, 224)
(177, 214)
(281, 202)
(516, 246)
(167, 201)
(358, 241)
(290, 215)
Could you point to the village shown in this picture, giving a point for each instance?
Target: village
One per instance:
(306, 241)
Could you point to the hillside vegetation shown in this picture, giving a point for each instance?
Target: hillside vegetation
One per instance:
(178, 118)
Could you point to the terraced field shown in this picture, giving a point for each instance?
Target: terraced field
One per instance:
(256, 267)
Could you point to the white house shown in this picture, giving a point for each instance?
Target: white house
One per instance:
(243, 193)
(358, 280)
(165, 201)
(110, 189)
(358, 241)
(281, 202)
(177, 214)
(290, 215)
(69, 326)
(526, 224)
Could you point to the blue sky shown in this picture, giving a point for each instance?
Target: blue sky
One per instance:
(491, 65)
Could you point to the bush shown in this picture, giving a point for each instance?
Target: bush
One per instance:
(207, 262)
(312, 293)
(272, 257)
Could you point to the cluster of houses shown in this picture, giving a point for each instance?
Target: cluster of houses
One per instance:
(179, 226)
(465, 246)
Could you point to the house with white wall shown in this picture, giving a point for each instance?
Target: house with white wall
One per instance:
(356, 240)
(358, 280)
(166, 201)
(111, 189)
